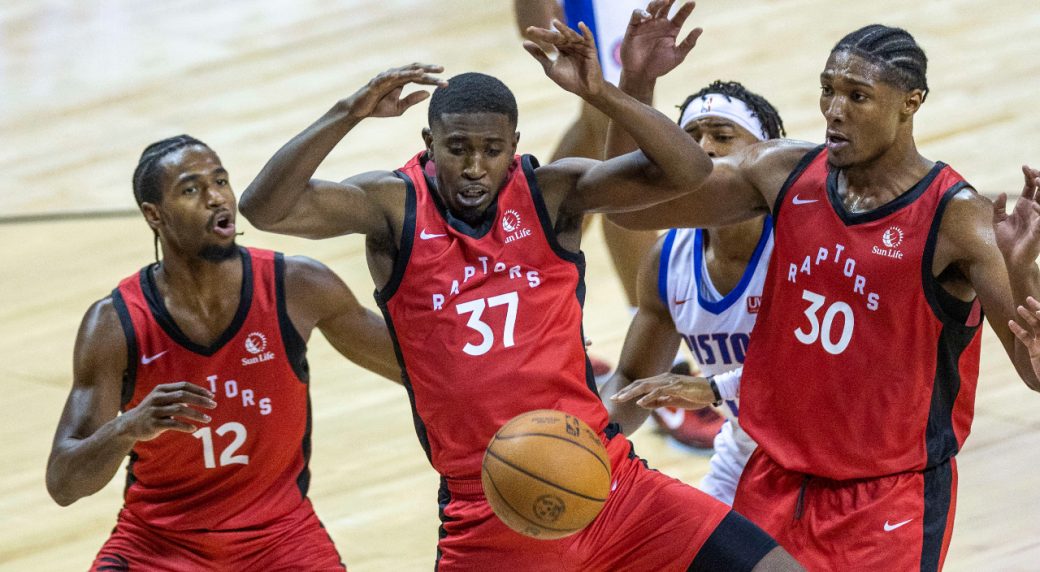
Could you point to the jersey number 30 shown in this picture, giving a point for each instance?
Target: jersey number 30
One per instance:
(823, 331)
(475, 308)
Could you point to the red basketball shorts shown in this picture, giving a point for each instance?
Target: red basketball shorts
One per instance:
(649, 522)
(297, 541)
(897, 522)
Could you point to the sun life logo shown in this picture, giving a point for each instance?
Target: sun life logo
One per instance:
(510, 220)
(893, 237)
(256, 343)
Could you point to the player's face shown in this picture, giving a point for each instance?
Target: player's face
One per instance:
(197, 213)
(865, 115)
(473, 152)
(719, 137)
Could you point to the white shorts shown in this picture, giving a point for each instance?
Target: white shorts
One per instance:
(608, 20)
(733, 447)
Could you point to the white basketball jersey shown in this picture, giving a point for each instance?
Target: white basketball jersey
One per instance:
(608, 20)
(716, 328)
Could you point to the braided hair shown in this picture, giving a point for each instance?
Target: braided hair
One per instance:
(902, 62)
(760, 106)
(148, 175)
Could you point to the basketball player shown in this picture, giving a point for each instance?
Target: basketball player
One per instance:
(476, 256)
(703, 286)
(196, 367)
(586, 137)
(860, 379)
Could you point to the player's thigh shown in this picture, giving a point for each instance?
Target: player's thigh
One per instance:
(299, 541)
(134, 546)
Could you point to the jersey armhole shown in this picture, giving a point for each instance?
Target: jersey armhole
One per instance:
(800, 168)
(404, 250)
(130, 373)
(529, 164)
(943, 305)
(292, 341)
(662, 266)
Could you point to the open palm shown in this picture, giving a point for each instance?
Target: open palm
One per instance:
(1018, 232)
(576, 67)
(650, 46)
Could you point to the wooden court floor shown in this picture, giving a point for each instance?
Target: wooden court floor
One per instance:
(84, 86)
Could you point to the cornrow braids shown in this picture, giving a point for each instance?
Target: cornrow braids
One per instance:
(147, 174)
(760, 106)
(903, 62)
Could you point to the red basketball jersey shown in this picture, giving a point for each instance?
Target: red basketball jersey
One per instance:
(248, 465)
(487, 320)
(857, 368)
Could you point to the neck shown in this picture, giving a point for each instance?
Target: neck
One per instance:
(196, 282)
(735, 242)
(887, 176)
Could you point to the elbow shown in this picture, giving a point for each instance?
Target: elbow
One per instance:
(59, 491)
(248, 207)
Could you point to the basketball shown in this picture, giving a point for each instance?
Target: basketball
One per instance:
(546, 474)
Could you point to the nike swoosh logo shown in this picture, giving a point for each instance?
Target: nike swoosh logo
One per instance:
(681, 302)
(427, 236)
(145, 360)
(891, 527)
(799, 201)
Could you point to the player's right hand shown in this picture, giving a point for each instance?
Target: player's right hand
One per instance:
(649, 48)
(668, 390)
(381, 96)
(169, 407)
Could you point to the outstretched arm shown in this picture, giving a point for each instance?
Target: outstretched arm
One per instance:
(668, 163)
(91, 441)
(284, 198)
(650, 346)
(317, 298)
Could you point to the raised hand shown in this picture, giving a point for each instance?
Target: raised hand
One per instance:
(169, 407)
(1029, 335)
(381, 96)
(576, 65)
(668, 390)
(1018, 233)
(650, 47)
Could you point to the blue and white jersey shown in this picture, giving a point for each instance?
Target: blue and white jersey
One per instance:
(608, 20)
(716, 328)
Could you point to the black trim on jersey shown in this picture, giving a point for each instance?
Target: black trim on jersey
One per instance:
(130, 373)
(131, 478)
(165, 320)
(420, 426)
(487, 219)
(908, 197)
(949, 316)
(938, 496)
(940, 438)
(736, 544)
(443, 499)
(796, 173)
(295, 347)
(528, 163)
(404, 250)
(303, 480)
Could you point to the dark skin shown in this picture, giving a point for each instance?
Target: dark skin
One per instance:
(196, 214)
(870, 138)
(650, 51)
(473, 153)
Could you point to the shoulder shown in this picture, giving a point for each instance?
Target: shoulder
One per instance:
(563, 172)
(101, 335)
(313, 284)
(967, 219)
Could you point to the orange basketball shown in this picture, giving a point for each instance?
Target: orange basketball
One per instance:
(546, 474)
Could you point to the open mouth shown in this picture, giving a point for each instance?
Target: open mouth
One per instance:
(836, 140)
(471, 195)
(223, 224)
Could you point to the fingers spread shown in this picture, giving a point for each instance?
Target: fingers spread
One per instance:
(533, 49)
(682, 14)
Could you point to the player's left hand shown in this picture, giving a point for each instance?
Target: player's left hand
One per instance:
(668, 390)
(650, 48)
(576, 66)
(1018, 233)
(1030, 334)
